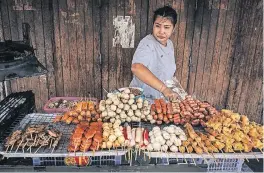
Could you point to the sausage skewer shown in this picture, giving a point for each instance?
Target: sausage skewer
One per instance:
(191, 156)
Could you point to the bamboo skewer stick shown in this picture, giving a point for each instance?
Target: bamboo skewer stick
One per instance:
(128, 152)
(38, 149)
(223, 153)
(7, 148)
(18, 146)
(215, 160)
(167, 154)
(176, 156)
(52, 149)
(191, 156)
(136, 155)
(255, 156)
(125, 156)
(184, 158)
(149, 154)
(204, 159)
(11, 148)
(105, 91)
(75, 149)
(244, 156)
(24, 146)
(50, 143)
(144, 155)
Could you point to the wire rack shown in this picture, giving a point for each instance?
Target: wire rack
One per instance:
(61, 149)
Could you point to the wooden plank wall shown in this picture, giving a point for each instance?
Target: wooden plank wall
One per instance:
(218, 47)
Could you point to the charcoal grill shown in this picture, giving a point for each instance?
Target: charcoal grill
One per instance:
(13, 109)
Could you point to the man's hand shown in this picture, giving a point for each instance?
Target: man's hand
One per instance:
(168, 93)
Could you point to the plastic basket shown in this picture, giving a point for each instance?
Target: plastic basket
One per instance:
(62, 110)
(225, 165)
(94, 161)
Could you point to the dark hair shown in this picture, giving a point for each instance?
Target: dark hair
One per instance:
(166, 12)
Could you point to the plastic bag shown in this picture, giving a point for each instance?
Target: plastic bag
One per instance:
(175, 86)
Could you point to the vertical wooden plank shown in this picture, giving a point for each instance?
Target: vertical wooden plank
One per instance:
(112, 50)
(1, 26)
(38, 29)
(19, 13)
(181, 39)
(216, 57)
(210, 48)
(188, 44)
(254, 94)
(34, 85)
(195, 47)
(29, 18)
(175, 35)
(58, 66)
(106, 25)
(239, 64)
(143, 19)
(168, 3)
(81, 48)
(73, 20)
(96, 49)
(7, 87)
(12, 21)
(64, 37)
(2, 91)
(137, 15)
(43, 89)
(202, 51)
(5, 20)
(119, 52)
(128, 52)
(224, 59)
(159, 4)
(47, 15)
(89, 46)
(254, 40)
(152, 8)
(13, 84)
(231, 50)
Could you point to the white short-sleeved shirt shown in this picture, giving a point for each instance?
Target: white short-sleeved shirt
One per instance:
(158, 59)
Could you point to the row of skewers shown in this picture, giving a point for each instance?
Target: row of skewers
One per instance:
(189, 110)
(86, 137)
(34, 136)
(84, 111)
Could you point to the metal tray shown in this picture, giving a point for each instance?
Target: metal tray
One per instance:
(61, 149)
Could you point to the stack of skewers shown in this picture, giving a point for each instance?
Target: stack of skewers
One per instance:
(84, 111)
(86, 137)
(34, 136)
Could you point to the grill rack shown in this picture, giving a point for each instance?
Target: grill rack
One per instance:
(61, 149)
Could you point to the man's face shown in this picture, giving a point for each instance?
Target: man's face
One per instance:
(162, 29)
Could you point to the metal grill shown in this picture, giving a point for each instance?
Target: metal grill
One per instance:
(61, 149)
(13, 108)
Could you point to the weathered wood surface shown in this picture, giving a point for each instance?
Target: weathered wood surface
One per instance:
(218, 47)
